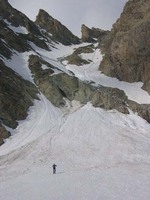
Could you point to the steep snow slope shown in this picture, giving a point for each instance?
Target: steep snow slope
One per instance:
(88, 72)
(99, 154)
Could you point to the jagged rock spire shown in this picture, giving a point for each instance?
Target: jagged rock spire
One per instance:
(59, 32)
(91, 35)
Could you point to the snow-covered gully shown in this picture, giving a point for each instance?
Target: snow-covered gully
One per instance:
(100, 155)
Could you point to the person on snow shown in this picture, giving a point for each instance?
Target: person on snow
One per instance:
(54, 168)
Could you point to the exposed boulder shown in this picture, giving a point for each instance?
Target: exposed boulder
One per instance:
(59, 32)
(126, 50)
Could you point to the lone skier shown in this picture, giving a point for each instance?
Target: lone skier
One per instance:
(54, 168)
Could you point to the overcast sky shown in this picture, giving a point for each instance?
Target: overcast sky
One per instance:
(73, 13)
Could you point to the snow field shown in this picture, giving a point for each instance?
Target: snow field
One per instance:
(100, 155)
(114, 183)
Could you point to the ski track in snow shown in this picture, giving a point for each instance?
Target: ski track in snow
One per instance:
(99, 154)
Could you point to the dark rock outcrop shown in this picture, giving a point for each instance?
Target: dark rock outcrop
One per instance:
(10, 17)
(3, 134)
(58, 86)
(16, 95)
(92, 35)
(76, 59)
(143, 110)
(11, 41)
(16, 18)
(126, 50)
(59, 32)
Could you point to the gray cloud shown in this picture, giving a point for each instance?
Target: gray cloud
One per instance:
(73, 13)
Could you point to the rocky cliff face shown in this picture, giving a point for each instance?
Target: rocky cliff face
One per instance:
(92, 35)
(59, 32)
(126, 50)
(20, 42)
(16, 95)
(59, 86)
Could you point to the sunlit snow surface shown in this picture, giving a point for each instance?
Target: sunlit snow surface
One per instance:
(100, 155)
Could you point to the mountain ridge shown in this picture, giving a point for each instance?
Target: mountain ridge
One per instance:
(59, 32)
